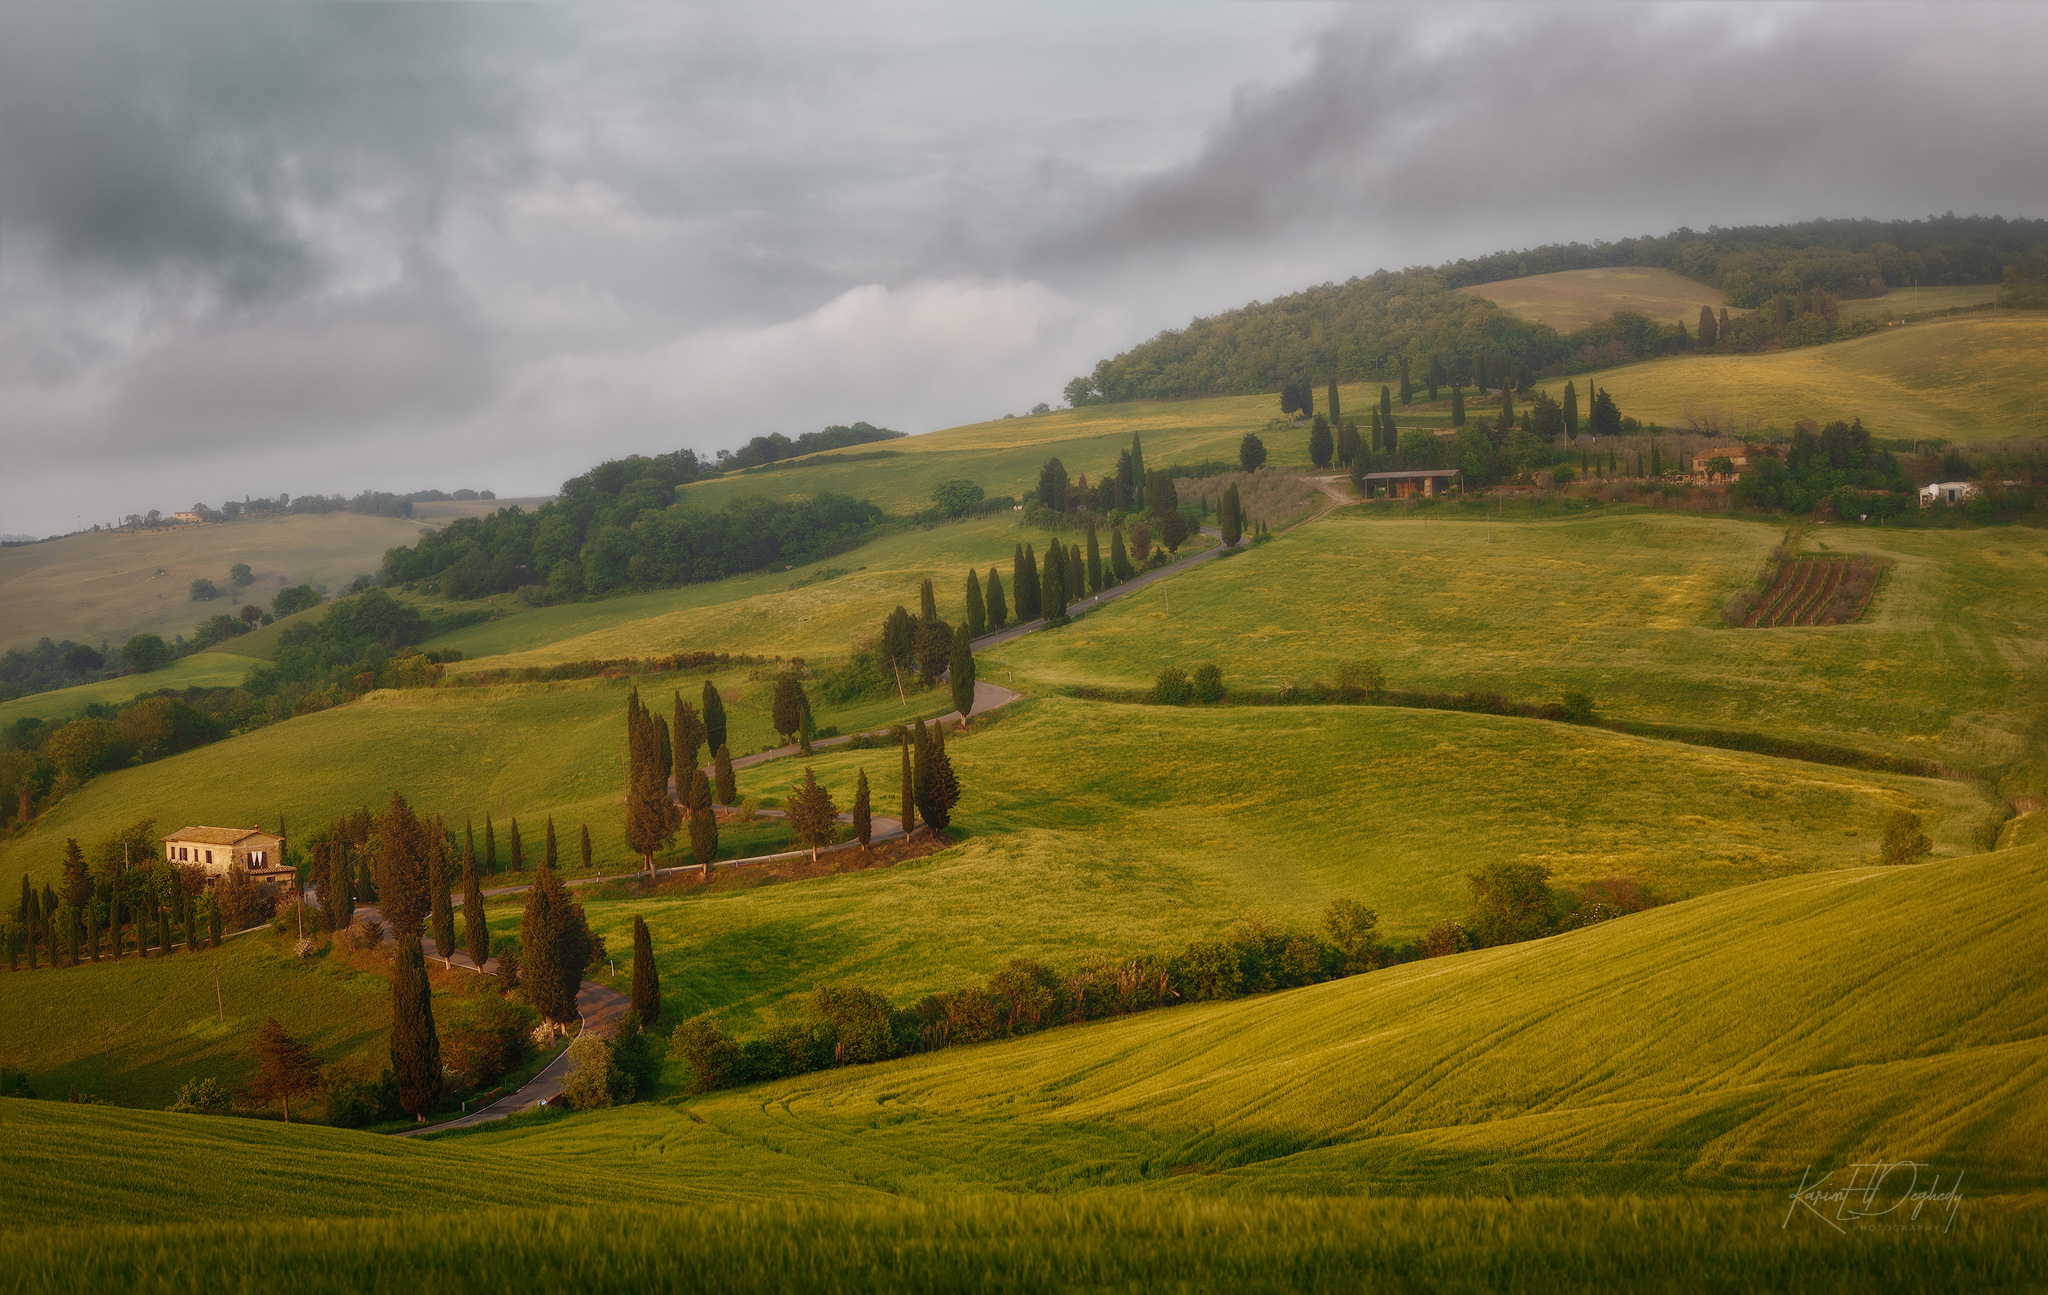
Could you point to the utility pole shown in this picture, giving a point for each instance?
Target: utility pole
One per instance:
(219, 1005)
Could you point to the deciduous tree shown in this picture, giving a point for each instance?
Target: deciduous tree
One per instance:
(1251, 452)
(812, 815)
(1903, 842)
(285, 1067)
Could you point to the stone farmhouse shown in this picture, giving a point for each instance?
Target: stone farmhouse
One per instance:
(217, 849)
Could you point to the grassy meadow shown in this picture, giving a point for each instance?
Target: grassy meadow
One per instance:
(200, 670)
(1900, 302)
(1623, 605)
(1094, 828)
(1571, 299)
(1970, 379)
(1623, 1107)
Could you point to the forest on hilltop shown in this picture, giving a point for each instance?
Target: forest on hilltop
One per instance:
(1788, 276)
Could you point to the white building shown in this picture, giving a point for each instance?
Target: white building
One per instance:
(1947, 492)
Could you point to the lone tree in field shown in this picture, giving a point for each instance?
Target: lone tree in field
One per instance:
(977, 611)
(1904, 842)
(790, 705)
(437, 886)
(476, 924)
(1230, 517)
(1320, 446)
(285, 1067)
(704, 819)
(812, 815)
(960, 674)
(863, 812)
(415, 1046)
(713, 715)
(1251, 452)
(646, 982)
(998, 610)
(723, 782)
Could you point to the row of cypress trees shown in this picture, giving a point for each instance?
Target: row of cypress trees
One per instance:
(51, 930)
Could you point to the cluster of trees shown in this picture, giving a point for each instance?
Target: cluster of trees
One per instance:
(620, 526)
(668, 789)
(775, 447)
(48, 665)
(1375, 327)
(121, 895)
(41, 761)
(374, 503)
(1513, 902)
(1836, 464)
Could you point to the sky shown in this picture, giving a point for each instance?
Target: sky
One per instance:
(315, 247)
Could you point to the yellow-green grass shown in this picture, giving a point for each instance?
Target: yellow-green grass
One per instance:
(1571, 299)
(529, 751)
(1900, 302)
(1095, 828)
(1624, 1106)
(104, 585)
(200, 670)
(133, 1031)
(1965, 379)
(1946, 664)
(1003, 457)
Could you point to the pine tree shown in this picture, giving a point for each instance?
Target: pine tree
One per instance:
(583, 835)
(1407, 388)
(704, 819)
(437, 884)
(998, 610)
(285, 1067)
(1094, 559)
(863, 811)
(415, 1046)
(811, 812)
(977, 613)
(646, 980)
(1139, 482)
(712, 715)
(476, 924)
(727, 787)
(1230, 517)
(490, 863)
(960, 673)
(1052, 584)
(1571, 412)
(1320, 444)
(908, 810)
(1120, 568)
(402, 893)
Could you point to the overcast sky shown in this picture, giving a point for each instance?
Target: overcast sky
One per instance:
(253, 247)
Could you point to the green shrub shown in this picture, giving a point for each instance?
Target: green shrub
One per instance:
(1172, 687)
(206, 1096)
(1208, 683)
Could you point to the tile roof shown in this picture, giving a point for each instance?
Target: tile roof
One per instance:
(217, 835)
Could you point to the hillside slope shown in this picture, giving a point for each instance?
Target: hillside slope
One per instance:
(1572, 299)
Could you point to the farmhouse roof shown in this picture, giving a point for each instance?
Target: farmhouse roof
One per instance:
(217, 835)
(1411, 475)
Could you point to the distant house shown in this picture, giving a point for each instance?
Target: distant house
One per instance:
(1428, 482)
(217, 849)
(1738, 460)
(1947, 492)
(187, 517)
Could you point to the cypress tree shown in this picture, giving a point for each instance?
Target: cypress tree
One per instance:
(1094, 559)
(415, 1046)
(703, 821)
(1436, 376)
(1173, 528)
(517, 860)
(476, 923)
(344, 886)
(960, 673)
(1137, 472)
(998, 610)
(1026, 587)
(1507, 405)
(437, 885)
(1457, 406)
(583, 833)
(1571, 412)
(1120, 568)
(927, 601)
(786, 711)
(552, 857)
(688, 730)
(1336, 413)
(1320, 444)
(540, 931)
(1407, 388)
(1230, 516)
(811, 813)
(1386, 411)
(77, 878)
(713, 717)
(1077, 573)
(490, 849)
(727, 788)
(1052, 586)
(402, 848)
(863, 811)
(646, 983)
(650, 815)
(977, 613)
(908, 810)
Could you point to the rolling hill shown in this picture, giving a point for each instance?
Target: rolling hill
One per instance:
(1571, 299)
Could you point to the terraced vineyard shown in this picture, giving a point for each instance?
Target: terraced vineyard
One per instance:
(1817, 591)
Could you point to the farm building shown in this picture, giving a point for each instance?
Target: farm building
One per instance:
(1947, 492)
(216, 849)
(187, 517)
(1427, 482)
(1738, 460)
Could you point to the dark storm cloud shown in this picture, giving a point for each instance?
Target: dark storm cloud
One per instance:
(137, 138)
(1516, 123)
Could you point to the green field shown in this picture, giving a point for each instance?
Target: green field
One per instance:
(1900, 302)
(1101, 829)
(1947, 663)
(1970, 379)
(200, 670)
(1624, 1107)
(1571, 299)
